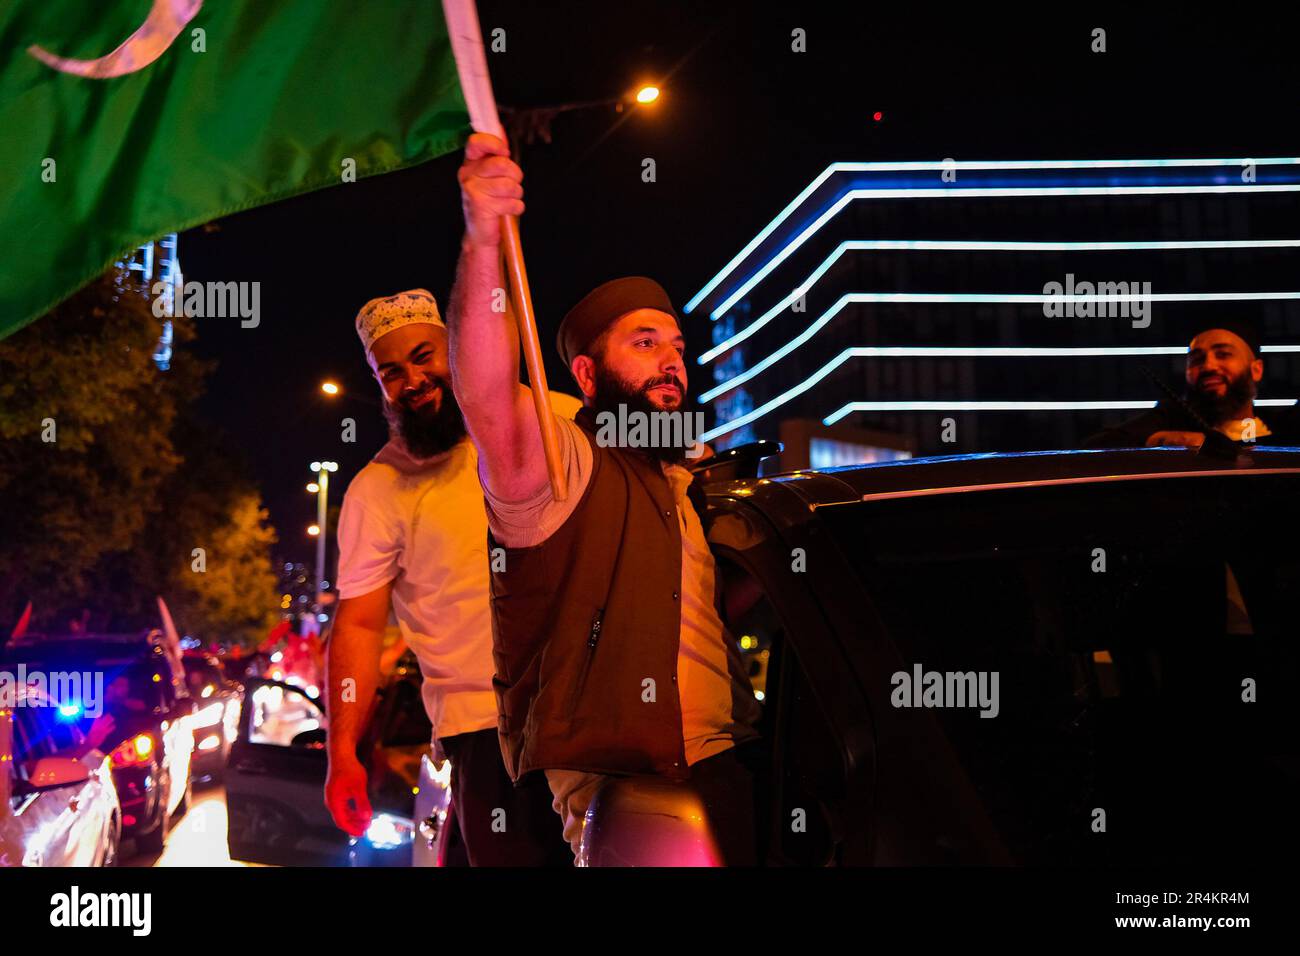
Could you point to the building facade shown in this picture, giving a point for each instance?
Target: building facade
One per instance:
(897, 309)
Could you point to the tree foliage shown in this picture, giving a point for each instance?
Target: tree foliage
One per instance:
(108, 483)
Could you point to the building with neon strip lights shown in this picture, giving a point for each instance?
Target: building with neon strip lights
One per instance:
(897, 309)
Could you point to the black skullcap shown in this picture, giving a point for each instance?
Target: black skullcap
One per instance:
(1241, 324)
(602, 307)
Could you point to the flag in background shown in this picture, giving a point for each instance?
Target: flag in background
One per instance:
(120, 122)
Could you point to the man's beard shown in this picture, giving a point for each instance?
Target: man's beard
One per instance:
(426, 432)
(612, 391)
(1216, 409)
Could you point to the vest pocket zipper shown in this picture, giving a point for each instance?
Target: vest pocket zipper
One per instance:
(593, 636)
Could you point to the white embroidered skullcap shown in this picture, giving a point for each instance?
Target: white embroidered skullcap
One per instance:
(380, 316)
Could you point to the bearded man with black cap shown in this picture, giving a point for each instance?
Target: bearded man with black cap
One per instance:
(1223, 371)
(612, 657)
(413, 538)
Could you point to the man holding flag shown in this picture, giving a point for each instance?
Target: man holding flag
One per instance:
(612, 657)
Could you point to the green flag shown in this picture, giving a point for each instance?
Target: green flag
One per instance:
(121, 122)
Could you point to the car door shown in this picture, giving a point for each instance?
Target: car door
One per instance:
(275, 781)
(1121, 628)
(48, 819)
(87, 804)
(814, 793)
(177, 733)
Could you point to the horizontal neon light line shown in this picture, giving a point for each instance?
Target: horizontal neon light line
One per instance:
(974, 297)
(950, 245)
(942, 191)
(890, 351)
(1028, 406)
(1026, 351)
(921, 166)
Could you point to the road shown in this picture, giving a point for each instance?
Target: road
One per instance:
(197, 839)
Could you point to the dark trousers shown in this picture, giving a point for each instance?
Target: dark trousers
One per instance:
(725, 782)
(501, 824)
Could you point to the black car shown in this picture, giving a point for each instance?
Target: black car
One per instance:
(1059, 658)
(216, 717)
(275, 778)
(144, 691)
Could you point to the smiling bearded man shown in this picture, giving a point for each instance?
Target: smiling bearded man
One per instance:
(413, 538)
(1222, 373)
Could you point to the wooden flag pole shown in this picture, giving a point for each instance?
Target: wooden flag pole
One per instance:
(476, 85)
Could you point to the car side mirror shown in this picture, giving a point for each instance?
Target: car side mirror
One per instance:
(49, 772)
(743, 461)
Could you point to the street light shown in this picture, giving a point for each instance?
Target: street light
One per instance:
(313, 487)
(527, 125)
(313, 529)
(329, 388)
(322, 469)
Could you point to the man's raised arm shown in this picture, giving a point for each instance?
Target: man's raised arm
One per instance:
(484, 340)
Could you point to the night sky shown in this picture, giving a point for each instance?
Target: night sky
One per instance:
(744, 123)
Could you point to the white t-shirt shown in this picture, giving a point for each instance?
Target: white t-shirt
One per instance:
(420, 523)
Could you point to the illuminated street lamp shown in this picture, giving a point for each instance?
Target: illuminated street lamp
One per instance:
(322, 469)
(313, 529)
(527, 125)
(330, 388)
(313, 487)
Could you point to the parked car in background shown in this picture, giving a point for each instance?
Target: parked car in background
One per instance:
(146, 695)
(1138, 609)
(275, 780)
(216, 718)
(58, 804)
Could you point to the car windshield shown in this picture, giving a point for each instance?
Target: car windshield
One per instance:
(1129, 625)
(202, 678)
(41, 731)
(130, 687)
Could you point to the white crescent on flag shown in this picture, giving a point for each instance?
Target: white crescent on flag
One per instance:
(166, 20)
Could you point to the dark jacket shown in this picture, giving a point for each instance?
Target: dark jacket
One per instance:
(1170, 416)
(586, 628)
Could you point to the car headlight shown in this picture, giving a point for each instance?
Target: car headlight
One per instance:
(387, 831)
(209, 715)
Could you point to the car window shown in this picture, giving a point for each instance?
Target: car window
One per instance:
(42, 732)
(278, 714)
(132, 687)
(202, 678)
(1126, 624)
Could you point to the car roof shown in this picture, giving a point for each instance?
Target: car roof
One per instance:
(82, 647)
(954, 474)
